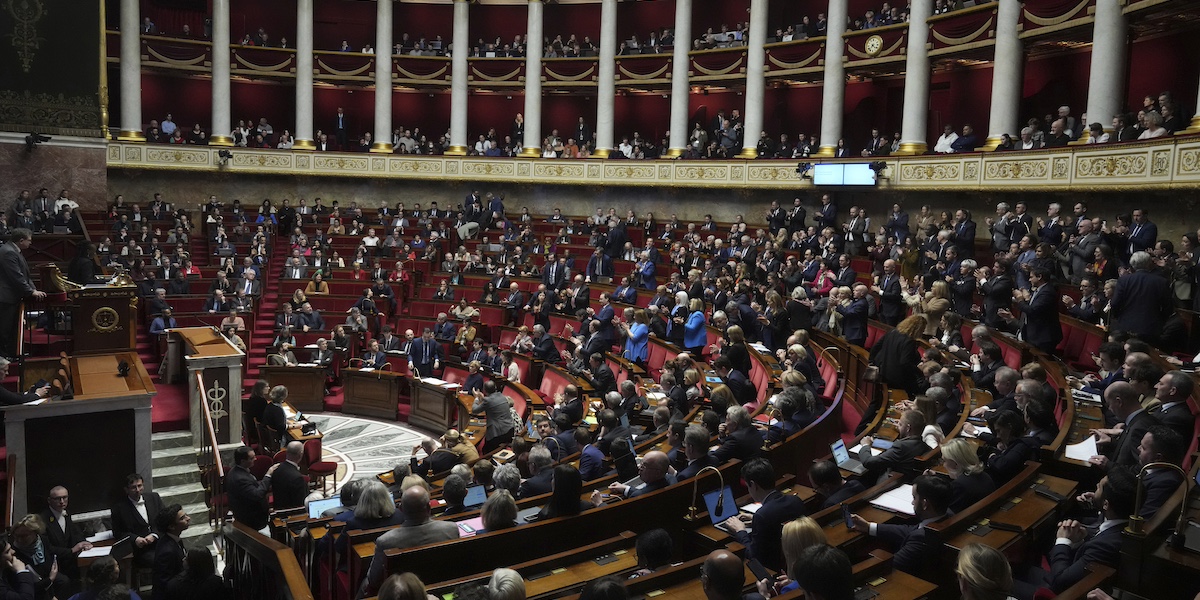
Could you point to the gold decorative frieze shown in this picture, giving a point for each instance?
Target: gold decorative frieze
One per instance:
(1170, 163)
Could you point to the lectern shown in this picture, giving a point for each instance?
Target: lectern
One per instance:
(204, 350)
(102, 317)
(433, 404)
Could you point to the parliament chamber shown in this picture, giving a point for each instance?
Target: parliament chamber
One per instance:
(729, 299)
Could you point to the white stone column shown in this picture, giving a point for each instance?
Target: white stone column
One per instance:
(383, 78)
(304, 76)
(1007, 67)
(533, 81)
(833, 94)
(1194, 126)
(606, 85)
(131, 73)
(915, 125)
(221, 98)
(458, 80)
(1106, 81)
(680, 88)
(756, 57)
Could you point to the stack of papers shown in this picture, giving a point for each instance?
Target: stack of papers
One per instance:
(96, 552)
(898, 500)
(855, 450)
(1083, 450)
(1086, 396)
(761, 348)
(101, 537)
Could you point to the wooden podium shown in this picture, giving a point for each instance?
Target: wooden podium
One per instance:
(305, 385)
(372, 393)
(433, 404)
(91, 442)
(205, 351)
(102, 317)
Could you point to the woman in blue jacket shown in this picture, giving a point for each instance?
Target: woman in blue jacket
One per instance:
(637, 335)
(694, 334)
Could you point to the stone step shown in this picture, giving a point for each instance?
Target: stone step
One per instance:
(186, 455)
(185, 494)
(170, 439)
(176, 475)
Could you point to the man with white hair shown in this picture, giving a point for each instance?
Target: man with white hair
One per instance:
(9, 398)
(677, 319)
(999, 227)
(1142, 302)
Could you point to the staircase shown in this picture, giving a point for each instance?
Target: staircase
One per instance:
(264, 320)
(176, 479)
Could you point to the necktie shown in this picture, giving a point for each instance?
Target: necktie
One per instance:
(247, 287)
(426, 347)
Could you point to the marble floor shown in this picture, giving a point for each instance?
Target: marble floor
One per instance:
(364, 447)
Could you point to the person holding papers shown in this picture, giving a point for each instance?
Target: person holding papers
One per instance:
(1125, 403)
(902, 456)
(912, 545)
(764, 540)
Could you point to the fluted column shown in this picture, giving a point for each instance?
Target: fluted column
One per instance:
(1106, 82)
(1194, 126)
(680, 87)
(1006, 75)
(833, 95)
(383, 77)
(221, 123)
(458, 80)
(304, 76)
(131, 73)
(915, 125)
(756, 57)
(533, 81)
(606, 88)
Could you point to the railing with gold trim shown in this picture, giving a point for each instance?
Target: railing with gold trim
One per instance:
(1165, 163)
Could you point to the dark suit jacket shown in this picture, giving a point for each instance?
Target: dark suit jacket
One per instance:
(247, 497)
(969, 489)
(591, 462)
(603, 380)
(1124, 451)
(650, 487)
(1003, 466)
(440, 461)
(897, 358)
(902, 456)
(1180, 418)
(1067, 565)
(1042, 328)
(915, 547)
(1141, 304)
(604, 444)
(55, 535)
(126, 520)
(765, 541)
(695, 466)
(744, 444)
(274, 418)
(854, 322)
(539, 484)
(544, 349)
(288, 486)
(1158, 484)
(997, 294)
(168, 562)
(848, 490)
(14, 273)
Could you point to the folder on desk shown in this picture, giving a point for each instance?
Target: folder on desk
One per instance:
(898, 500)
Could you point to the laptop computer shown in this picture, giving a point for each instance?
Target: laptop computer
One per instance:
(123, 548)
(61, 230)
(729, 506)
(841, 456)
(476, 496)
(316, 507)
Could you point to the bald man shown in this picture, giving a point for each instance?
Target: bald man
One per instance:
(1121, 446)
(418, 530)
(722, 576)
(887, 287)
(654, 476)
(287, 483)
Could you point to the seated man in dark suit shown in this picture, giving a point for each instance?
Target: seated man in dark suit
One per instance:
(559, 436)
(288, 486)
(1120, 446)
(654, 473)
(738, 436)
(133, 517)
(743, 390)
(902, 456)
(1173, 391)
(611, 430)
(570, 405)
(912, 545)
(1074, 549)
(169, 553)
(1160, 444)
(765, 541)
(454, 492)
(600, 376)
(541, 468)
(662, 420)
(695, 448)
(827, 480)
(591, 459)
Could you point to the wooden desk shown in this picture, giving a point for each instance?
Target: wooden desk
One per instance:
(434, 405)
(372, 393)
(305, 385)
(298, 435)
(1028, 514)
(93, 440)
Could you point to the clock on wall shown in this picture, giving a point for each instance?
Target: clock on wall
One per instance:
(874, 46)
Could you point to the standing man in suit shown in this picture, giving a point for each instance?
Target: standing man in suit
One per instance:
(426, 354)
(891, 303)
(854, 317)
(912, 545)
(169, 554)
(765, 541)
(497, 409)
(133, 517)
(247, 495)
(796, 217)
(62, 533)
(288, 487)
(600, 375)
(599, 268)
(16, 285)
(964, 233)
(1120, 446)
(340, 126)
(1143, 300)
(997, 291)
(1142, 233)
(846, 275)
(856, 229)
(1039, 312)
(827, 214)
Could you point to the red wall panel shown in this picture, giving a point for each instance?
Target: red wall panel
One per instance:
(866, 107)
(714, 13)
(487, 111)
(337, 20)
(647, 114)
(703, 108)
(792, 111)
(359, 107)
(958, 97)
(488, 22)
(640, 18)
(1160, 64)
(251, 101)
(188, 100)
(1055, 81)
(276, 17)
(428, 20)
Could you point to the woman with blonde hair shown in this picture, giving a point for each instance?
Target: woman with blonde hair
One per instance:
(967, 477)
(798, 536)
(777, 321)
(404, 586)
(983, 573)
(935, 304)
(897, 356)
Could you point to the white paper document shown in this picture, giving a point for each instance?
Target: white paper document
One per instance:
(100, 537)
(96, 552)
(858, 448)
(897, 500)
(1083, 450)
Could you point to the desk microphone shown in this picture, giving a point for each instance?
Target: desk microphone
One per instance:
(123, 369)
